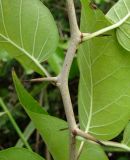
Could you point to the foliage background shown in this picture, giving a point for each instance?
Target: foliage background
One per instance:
(48, 96)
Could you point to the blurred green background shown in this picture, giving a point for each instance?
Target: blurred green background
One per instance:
(45, 93)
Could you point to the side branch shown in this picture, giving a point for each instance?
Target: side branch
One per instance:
(116, 145)
(87, 36)
(89, 137)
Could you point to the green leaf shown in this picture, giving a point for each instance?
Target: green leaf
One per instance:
(27, 133)
(27, 32)
(104, 94)
(49, 127)
(19, 154)
(92, 152)
(116, 13)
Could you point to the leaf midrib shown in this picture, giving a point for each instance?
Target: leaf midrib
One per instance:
(91, 92)
(23, 50)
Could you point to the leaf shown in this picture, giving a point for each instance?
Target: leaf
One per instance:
(49, 127)
(104, 94)
(27, 133)
(116, 13)
(93, 152)
(27, 32)
(18, 154)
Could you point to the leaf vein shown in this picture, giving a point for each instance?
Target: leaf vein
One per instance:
(35, 33)
(20, 23)
(3, 20)
(107, 105)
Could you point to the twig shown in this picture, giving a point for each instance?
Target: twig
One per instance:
(63, 77)
(79, 132)
(89, 137)
(116, 145)
(87, 36)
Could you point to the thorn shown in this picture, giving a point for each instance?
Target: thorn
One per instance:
(63, 129)
(34, 80)
(99, 142)
(104, 35)
(45, 79)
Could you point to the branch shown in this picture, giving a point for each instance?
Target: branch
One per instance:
(87, 36)
(74, 29)
(63, 77)
(62, 80)
(87, 136)
(79, 132)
